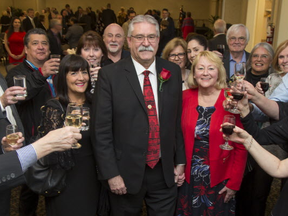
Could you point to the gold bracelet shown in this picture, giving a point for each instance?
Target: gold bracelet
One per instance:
(250, 143)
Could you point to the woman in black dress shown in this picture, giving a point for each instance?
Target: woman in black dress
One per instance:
(80, 196)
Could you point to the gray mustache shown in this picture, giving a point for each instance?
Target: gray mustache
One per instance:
(143, 48)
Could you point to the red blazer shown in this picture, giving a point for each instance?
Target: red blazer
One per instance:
(223, 164)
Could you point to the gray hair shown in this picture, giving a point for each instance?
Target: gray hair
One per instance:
(220, 26)
(34, 31)
(54, 22)
(236, 28)
(141, 19)
(270, 51)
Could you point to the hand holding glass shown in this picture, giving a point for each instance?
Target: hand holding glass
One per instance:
(227, 128)
(58, 59)
(74, 118)
(12, 135)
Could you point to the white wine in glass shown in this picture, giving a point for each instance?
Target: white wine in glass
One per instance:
(74, 118)
(11, 134)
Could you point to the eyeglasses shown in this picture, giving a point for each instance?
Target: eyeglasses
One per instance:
(140, 38)
(240, 39)
(264, 56)
(179, 55)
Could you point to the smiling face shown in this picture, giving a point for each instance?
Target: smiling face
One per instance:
(178, 56)
(114, 38)
(92, 54)
(193, 49)
(260, 61)
(237, 40)
(143, 51)
(77, 81)
(16, 23)
(37, 50)
(206, 73)
(283, 60)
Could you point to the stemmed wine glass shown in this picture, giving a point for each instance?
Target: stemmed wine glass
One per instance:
(74, 118)
(238, 94)
(227, 128)
(94, 79)
(264, 84)
(240, 71)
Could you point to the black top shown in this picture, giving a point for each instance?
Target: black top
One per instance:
(252, 78)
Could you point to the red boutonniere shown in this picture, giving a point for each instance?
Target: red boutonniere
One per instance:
(163, 77)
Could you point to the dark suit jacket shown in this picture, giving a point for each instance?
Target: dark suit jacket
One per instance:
(108, 17)
(27, 25)
(121, 124)
(226, 61)
(55, 47)
(219, 39)
(73, 35)
(11, 173)
(171, 27)
(5, 194)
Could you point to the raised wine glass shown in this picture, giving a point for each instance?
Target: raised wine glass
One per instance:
(93, 79)
(12, 134)
(238, 94)
(264, 84)
(227, 128)
(74, 118)
(240, 71)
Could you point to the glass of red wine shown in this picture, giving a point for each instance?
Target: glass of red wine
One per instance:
(227, 128)
(238, 94)
(221, 48)
(264, 84)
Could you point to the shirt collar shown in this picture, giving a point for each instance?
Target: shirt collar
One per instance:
(243, 57)
(140, 69)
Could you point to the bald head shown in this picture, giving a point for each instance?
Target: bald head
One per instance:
(219, 26)
(113, 38)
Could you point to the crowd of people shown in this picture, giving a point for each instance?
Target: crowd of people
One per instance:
(157, 111)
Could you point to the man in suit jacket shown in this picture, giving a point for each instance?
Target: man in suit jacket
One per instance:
(15, 163)
(108, 16)
(8, 115)
(124, 131)
(219, 35)
(171, 26)
(54, 36)
(74, 33)
(28, 23)
(237, 39)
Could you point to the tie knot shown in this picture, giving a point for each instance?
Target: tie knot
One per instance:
(146, 73)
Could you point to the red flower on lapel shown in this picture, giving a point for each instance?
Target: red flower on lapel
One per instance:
(163, 77)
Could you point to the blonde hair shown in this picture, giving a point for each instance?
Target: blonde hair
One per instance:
(279, 49)
(212, 57)
(171, 45)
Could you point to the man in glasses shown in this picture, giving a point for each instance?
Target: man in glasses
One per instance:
(237, 39)
(136, 125)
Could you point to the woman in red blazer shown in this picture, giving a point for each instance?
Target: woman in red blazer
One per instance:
(212, 175)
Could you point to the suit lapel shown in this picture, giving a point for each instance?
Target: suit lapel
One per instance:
(134, 81)
(160, 94)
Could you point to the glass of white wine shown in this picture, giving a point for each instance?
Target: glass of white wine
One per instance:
(12, 134)
(240, 71)
(74, 118)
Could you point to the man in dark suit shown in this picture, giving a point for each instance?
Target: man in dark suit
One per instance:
(237, 39)
(54, 36)
(108, 16)
(171, 26)
(14, 164)
(8, 115)
(136, 121)
(28, 23)
(74, 33)
(219, 35)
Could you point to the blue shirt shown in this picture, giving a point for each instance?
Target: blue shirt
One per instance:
(232, 63)
(27, 156)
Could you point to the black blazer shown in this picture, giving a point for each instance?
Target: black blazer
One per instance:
(27, 25)
(226, 61)
(219, 39)
(121, 128)
(55, 48)
(11, 173)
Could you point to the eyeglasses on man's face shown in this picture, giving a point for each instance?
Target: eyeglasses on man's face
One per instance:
(234, 39)
(152, 38)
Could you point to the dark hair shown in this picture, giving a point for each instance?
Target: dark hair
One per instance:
(11, 28)
(67, 5)
(34, 31)
(70, 63)
(188, 14)
(199, 38)
(41, 18)
(165, 9)
(92, 38)
(130, 12)
(73, 19)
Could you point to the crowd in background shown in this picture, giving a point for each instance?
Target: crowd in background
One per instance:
(216, 181)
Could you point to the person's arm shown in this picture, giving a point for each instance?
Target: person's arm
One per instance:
(267, 161)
